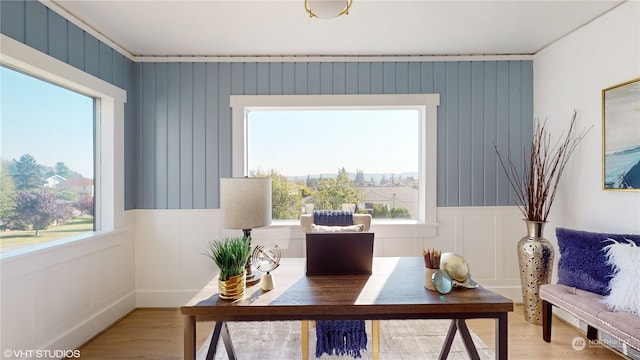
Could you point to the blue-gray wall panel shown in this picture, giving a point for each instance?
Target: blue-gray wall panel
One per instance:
(119, 70)
(148, 137)
(481, 103)
(12, 19)
(173, 137)
(477, 144)
(186, 149)
(161, 95)
(75, 47)
(131, 130)
(199, 140)
(106, 63)
(224, 122)
(211, 136)
(36, 26)
(91, 55)
(464, 133)
(57, 37)
(262, 79)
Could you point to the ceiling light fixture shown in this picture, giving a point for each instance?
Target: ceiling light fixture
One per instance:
(327, 9)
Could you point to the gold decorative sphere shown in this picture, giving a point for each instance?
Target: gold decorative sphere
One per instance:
(455, 265)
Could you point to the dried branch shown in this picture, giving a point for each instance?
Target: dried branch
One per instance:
(543, 166)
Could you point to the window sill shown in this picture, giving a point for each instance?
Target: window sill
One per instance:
(386, 228)
(36, 249)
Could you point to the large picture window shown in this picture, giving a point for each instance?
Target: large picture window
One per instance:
(47, 174)
(365, 160)
(370, 153)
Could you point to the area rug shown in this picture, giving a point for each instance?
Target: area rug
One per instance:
(399, 339)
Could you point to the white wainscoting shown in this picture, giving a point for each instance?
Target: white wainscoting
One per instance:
(59, 297)
(169, 246)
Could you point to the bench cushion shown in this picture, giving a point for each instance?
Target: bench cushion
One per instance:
(589, 307)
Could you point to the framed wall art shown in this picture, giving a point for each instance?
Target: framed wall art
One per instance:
(621, 136)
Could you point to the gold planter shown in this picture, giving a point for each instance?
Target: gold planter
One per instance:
(232, 288)
(535, 257)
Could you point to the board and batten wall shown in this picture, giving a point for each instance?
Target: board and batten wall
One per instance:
(184, 148)
(184, 122)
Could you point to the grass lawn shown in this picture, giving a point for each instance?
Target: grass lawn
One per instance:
(13, 239)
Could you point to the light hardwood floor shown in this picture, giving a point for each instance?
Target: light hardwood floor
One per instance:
(157, 334)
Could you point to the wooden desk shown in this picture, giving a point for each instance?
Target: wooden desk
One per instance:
(395, 290)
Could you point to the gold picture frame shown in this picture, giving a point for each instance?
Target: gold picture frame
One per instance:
(621, 136)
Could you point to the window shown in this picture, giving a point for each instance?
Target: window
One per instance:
(259, 123)
(364, 160)
(46, 179)
(102, 139)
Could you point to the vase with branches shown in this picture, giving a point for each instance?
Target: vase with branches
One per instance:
(535, 188)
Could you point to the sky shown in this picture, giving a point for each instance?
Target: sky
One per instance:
(299, 143)
(49, 122)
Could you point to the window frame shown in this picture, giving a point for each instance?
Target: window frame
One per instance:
(109, 103)
(427, 106)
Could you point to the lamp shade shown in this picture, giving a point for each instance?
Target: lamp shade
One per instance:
(245, 202)
(327, 9)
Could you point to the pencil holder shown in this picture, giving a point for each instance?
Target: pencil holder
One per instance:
(428, 276)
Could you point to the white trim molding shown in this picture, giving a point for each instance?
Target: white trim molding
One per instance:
(426, 104)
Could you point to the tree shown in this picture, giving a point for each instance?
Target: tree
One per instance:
(27, 175)
(67, 195)
(85, 204)
(62, 170)
(400, 213)
(380, 211)
(7, 195)
(286, 198)
(37, 208)
(330, 194)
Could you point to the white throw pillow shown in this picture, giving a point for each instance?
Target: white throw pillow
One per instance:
(625, 285)
(349, 228)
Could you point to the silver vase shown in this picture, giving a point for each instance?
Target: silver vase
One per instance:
(535, 257)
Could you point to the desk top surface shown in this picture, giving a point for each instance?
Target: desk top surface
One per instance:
(395, 290)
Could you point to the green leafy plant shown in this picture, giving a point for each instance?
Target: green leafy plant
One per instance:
(231, 255)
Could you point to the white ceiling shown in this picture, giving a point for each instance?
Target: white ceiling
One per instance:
(372, 28)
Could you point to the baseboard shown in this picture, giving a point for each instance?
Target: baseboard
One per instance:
(95, 323)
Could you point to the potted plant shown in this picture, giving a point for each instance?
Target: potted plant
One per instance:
(231, 255)
(535, 190)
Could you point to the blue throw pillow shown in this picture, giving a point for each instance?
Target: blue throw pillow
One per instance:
(583, 262)
(333, 217)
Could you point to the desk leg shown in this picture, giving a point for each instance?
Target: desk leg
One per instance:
(446, 347)
(221, 330)
(502, 339)
(466, 338)
(228, 345)
(305, 339)
(189, 345)
(375, 339)
(459, 324)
